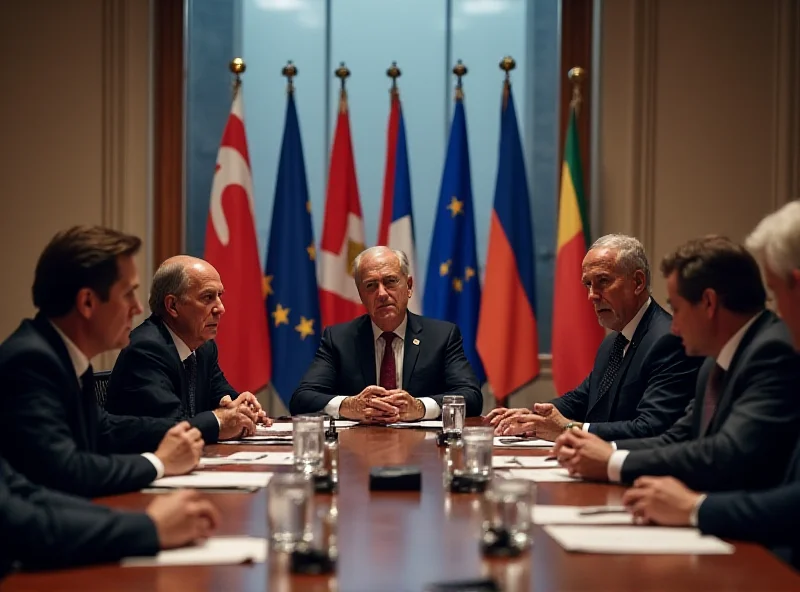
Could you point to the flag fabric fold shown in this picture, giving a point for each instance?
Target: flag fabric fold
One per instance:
(290, 280)
(396, 229)
(507, 332)
(576, 332)
(452, 284)
(231, 247)
(343, 230)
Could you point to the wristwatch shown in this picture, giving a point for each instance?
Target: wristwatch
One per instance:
(570, 425)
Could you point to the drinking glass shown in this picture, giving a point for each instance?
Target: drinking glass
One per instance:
(507, 509)
(288, 509)
(454, 410)
(478, 442)
(308, 441)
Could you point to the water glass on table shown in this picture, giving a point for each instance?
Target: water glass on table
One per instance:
(289, 504)
(308, 441)
(454, 411)
(507, 507)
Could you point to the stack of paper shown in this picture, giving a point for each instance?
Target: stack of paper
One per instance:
(215, 551)
(249, 458)
(523, 462)
(515, 442)
(653, 540)
(580, 515)
(215, 480)
(543, 475)
(428, 423)
(287, 426)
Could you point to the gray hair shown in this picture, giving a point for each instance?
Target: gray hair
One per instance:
(171, 277)
(630, 254)
(775, 241)
(401, 257)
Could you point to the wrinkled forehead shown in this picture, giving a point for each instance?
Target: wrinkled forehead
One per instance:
(203, 277)
(378, 266)
(603, 260)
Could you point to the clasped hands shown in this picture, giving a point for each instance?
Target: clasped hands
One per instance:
(238, 417)
(545, 421)
(378, 405)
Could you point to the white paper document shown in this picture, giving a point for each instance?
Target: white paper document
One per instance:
(523, 462)
(649, 540)
(249, 458)
(513, 442)
(428, 423)
(214, 479)
(558, 475)
(287, 426)
(580, 515)
(215, 551)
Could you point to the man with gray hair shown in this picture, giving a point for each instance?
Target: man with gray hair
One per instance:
(641, 381)
(388, 365)
(770, 516)
(170, 368)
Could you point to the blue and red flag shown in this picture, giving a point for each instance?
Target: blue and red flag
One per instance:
(507, 337)
(396, 229)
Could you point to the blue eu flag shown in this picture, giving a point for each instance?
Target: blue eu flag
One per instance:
(452, 286)
(290, 282)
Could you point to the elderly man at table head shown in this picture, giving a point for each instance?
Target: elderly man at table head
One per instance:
(641, 381)
(388, 365)
(52, 429)
(742, 425)
(171, 368)
(771, 516)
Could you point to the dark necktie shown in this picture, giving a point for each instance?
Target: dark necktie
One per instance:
(388, 378)
(711, 396)
(614, 363)
(90, 407)
(190, 365)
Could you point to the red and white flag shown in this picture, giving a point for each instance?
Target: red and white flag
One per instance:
(343, 230)
(231, 247)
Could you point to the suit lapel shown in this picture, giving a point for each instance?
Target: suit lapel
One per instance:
(365, 344)
(174, 357)
(410, 348)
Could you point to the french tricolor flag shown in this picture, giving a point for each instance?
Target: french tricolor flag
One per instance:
(396, 228)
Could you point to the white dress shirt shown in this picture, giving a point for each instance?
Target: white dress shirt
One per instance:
(724, 359)
(628, 331)
(81, 364)
(432, 409)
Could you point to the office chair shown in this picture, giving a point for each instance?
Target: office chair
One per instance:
(101, 386)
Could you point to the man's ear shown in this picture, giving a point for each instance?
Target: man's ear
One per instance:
(171, 305)
(410, 283)
(710, 301)
(640, 280)
(85, 302)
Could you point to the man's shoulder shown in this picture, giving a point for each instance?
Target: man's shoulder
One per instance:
(148, 331)
(767, 336)
(26, 340)
(434, 325)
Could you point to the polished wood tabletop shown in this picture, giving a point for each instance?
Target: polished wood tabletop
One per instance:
(399, 542)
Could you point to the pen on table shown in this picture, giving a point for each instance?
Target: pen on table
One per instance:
(602, 510)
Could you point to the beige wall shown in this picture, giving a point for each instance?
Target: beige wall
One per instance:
(75, 130)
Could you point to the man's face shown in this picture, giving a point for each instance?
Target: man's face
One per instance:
(384, 290)
(691, 322)
(197, 314)
(111, 321)
(786, 291)
(614, 295)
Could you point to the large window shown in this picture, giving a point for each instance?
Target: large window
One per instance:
(425, 38)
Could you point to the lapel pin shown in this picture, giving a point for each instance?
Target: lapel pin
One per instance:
(415, 342)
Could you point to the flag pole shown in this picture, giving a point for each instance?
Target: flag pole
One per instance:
(290, 71)
(577, 76)
(342, 73)
(394, 73)
(506, 65)
(460, 70)
(237, 67)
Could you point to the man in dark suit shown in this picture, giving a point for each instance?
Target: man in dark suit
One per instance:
(170, 368)
(642, 380)
(742, 425)
(771, 516)
(389, 365)
(52, 429)
(44, 529)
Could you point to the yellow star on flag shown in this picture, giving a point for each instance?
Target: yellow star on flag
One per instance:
(444, 268)
(281, 315)
(458, 285)
(312, 251)
(266, 285)
(456, 207)
(469, 273)
(305, 328)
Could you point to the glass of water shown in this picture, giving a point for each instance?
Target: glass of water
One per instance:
(454, 410)
(507, 508)
(478, 442)
(308, 440)
(288, 509)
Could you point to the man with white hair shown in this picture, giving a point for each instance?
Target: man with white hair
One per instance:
(388, 365)
(641, 381)
(770, 516)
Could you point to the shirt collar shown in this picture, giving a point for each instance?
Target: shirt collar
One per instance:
(630, 328)
(184, 351)
(725, 356)
(80, 362)
(400, 331)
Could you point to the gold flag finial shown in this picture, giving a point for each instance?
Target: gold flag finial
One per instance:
(460, 70)
(237, 66)
(394, 73)
(290, 71)
(506, 65)
(342, 73)
(577, 76)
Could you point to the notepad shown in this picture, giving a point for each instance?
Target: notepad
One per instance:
(512, 442)
(289, 426)
(249, 458)
(428, 423)
(572, 515)
(215, 551)
(649, 540)
(214, 480)
(520, 462)
(558, 475)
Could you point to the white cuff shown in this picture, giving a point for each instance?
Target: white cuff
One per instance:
(613, 445)
(219, 421)
(332, 408)
(585, 427)
(615, 465)
(157, 464)
(696, 510)
(432, 409)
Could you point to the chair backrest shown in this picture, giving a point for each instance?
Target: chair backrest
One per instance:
(101, 386)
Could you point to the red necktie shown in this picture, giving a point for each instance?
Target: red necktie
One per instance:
(388, 378)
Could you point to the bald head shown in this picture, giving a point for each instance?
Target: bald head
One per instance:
(175, 277)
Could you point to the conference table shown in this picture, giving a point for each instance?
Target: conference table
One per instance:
(397, 542)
